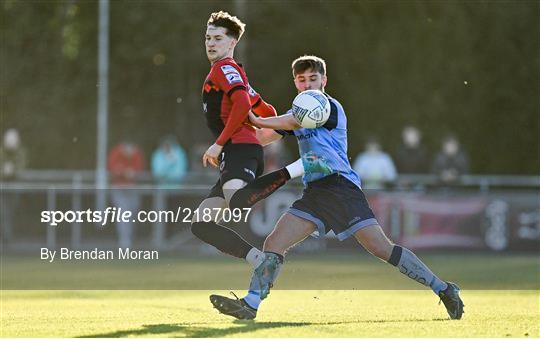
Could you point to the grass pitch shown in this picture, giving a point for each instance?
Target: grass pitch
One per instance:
(284, 314)
(501, 299)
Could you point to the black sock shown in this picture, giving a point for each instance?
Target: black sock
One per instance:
(259, 189)
(222, 238)
(396, 255)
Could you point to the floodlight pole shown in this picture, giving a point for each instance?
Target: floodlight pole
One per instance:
(102, 104)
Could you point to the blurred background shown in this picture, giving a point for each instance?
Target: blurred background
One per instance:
(441, 97)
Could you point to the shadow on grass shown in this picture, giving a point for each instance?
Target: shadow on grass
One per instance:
(198, 330)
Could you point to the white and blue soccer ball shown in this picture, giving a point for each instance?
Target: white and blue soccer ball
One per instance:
(311, 108)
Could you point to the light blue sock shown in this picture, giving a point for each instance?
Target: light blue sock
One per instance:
(253, 299)
(410, 265)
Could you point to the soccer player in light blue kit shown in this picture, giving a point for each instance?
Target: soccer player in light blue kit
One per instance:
(332, 200)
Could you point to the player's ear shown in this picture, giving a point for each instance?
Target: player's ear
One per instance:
(324, 80)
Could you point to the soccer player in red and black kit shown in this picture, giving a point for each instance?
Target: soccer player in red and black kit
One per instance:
(237, 152)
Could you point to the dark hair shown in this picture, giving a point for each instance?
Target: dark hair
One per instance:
(235, 27)
(308, 62)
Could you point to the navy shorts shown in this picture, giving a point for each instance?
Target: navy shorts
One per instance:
(334, 203)
(238, 161)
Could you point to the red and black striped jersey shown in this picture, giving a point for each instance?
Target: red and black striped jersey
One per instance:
(226, 77)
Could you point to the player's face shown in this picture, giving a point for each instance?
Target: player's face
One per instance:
(309, 80)
(218, 44)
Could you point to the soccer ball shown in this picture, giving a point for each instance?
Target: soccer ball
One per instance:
(311, 108)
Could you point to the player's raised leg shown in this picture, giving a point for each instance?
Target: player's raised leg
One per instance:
(237, 193)
(204, 226)
(373, 239)
(289, 231)
(264, 186)
(239, 164)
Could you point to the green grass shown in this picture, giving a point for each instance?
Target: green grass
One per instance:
(285, 314)
(318, 296)
(336, 271)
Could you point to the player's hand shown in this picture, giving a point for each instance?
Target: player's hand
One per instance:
(211, 155)
(253, 119)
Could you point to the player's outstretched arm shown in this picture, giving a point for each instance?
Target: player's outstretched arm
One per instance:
(264, 109)
(267, 136)
(283, 122)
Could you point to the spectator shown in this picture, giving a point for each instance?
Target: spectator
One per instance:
(126, 162)
(411, 155)
(169, 163)
(451, 162)
(13, 155)
(13, 161)
(374, 167)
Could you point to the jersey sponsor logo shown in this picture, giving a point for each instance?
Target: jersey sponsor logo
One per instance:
(231, 74)
(251, 91)
(228, 69)
(234, 78)
(309, 135)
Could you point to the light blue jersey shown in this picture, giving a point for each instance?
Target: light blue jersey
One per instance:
(324, 150)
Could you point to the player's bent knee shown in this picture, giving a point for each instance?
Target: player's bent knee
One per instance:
(234, 184)
(208, 210)
(195, 228)
(240, 199)
(231, 187)
(375, 241)
(201, 229)
(197, 218)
